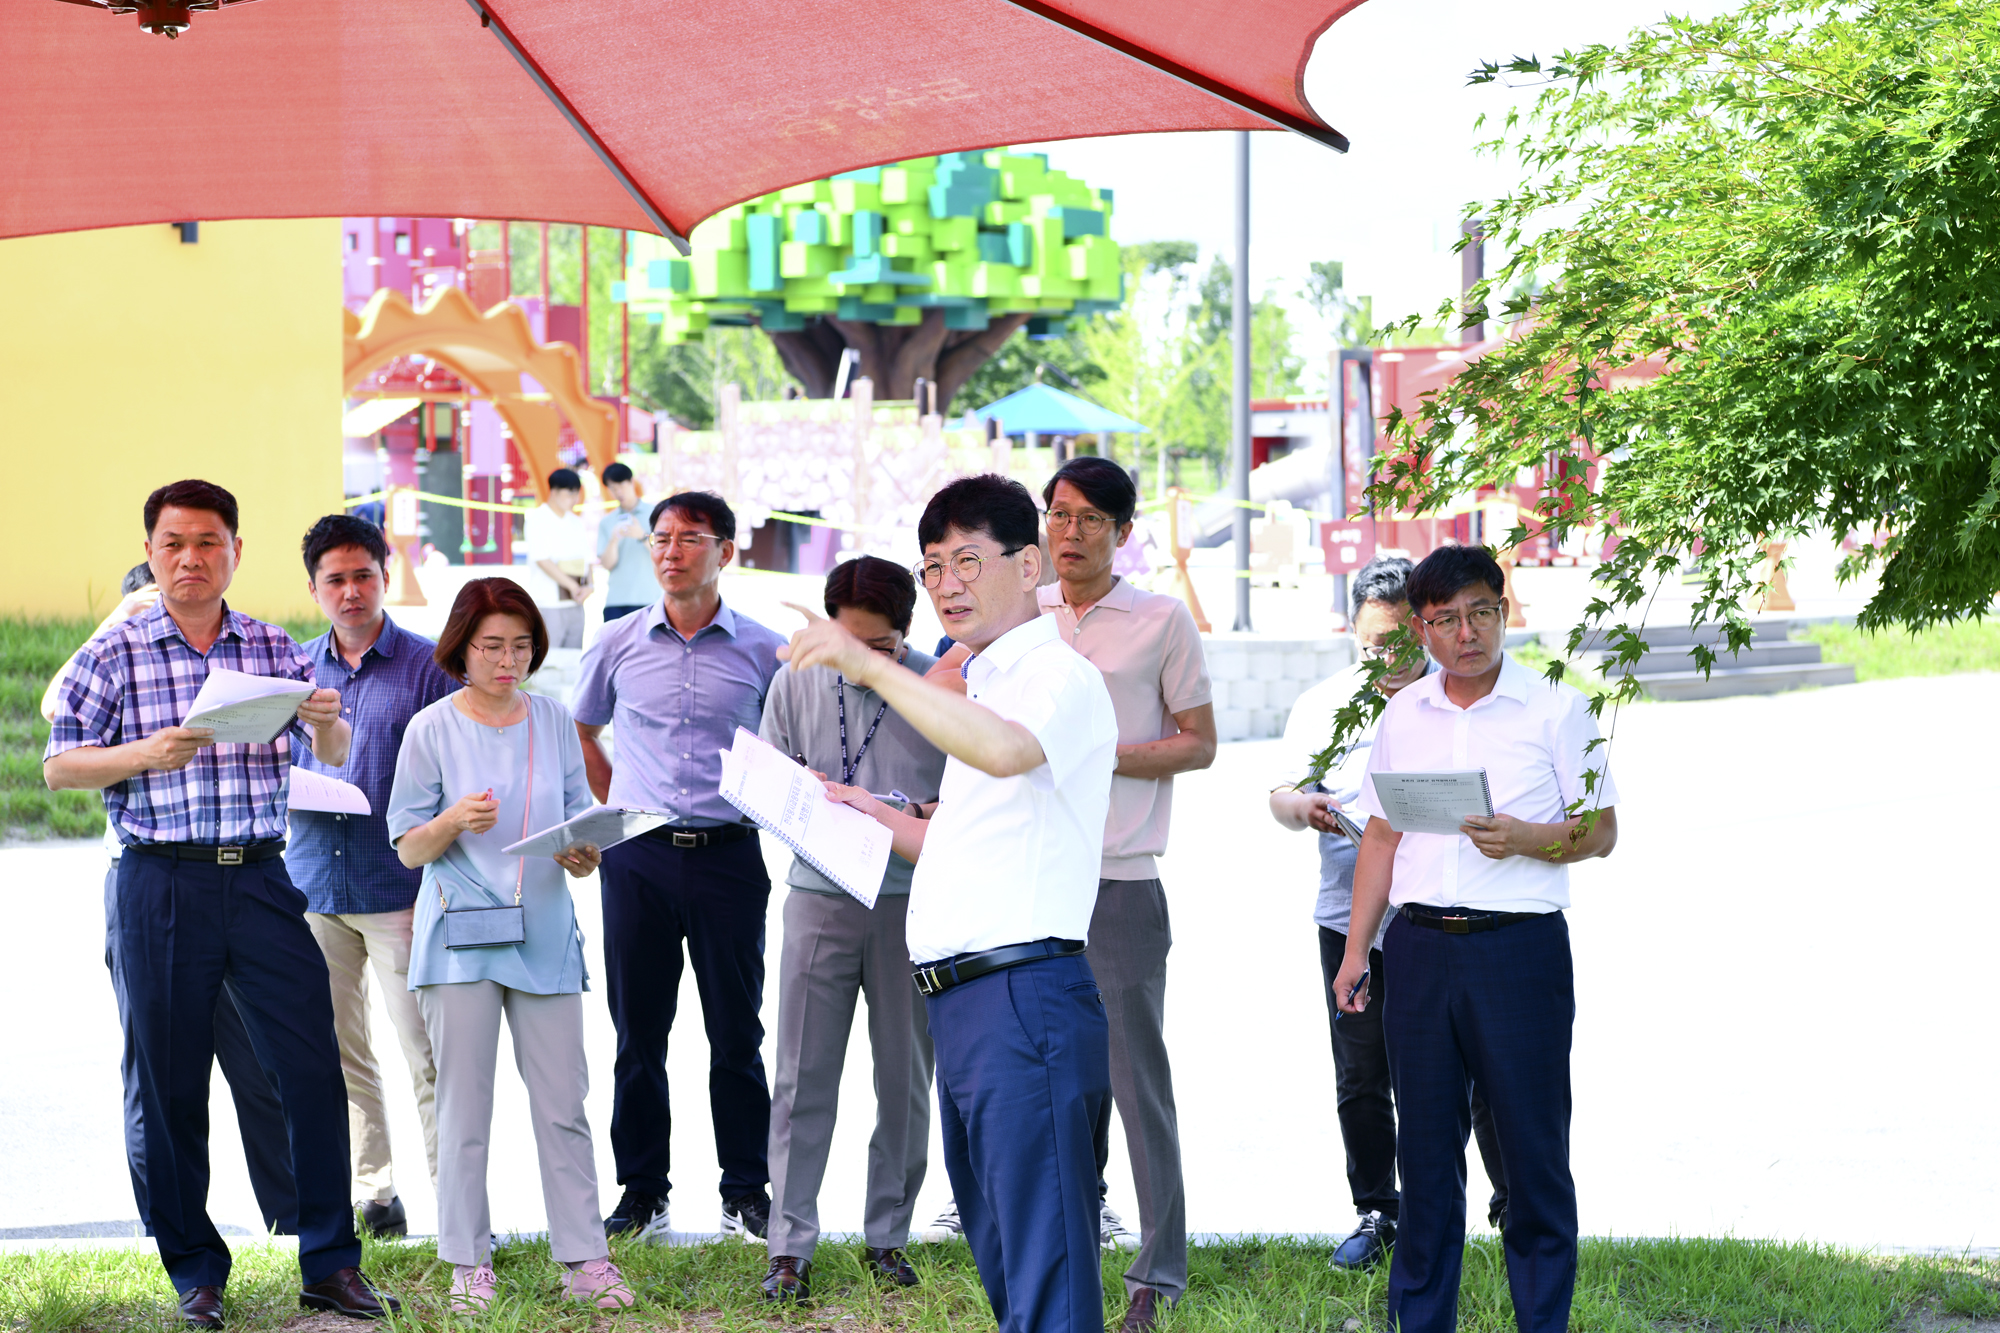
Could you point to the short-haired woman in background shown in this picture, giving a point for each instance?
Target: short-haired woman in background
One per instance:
(481, 769)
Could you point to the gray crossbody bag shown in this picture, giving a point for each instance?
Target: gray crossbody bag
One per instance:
(492, 927)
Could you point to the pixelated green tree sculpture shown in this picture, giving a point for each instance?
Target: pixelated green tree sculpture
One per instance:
(923, 268)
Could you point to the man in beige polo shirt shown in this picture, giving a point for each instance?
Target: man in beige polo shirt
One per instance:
(1149, 652)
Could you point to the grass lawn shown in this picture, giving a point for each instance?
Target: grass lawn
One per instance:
(31, 651)
(1967, 645)
(1641, 1286)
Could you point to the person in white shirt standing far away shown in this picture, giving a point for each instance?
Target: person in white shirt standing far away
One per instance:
(1000, 904)
(1479, 951)
(557, 575)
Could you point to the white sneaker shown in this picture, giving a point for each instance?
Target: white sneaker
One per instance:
(1111, 1231)
(946, 1228)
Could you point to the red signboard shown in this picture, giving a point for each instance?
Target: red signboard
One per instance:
(1348, 545)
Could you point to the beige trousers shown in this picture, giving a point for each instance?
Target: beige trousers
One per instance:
(464, 1022)
(350, 943)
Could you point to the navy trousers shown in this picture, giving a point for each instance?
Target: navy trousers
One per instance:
(185, 931)
(260, 1120)
(1023, 1071)
(1494, 1008)
(1365, 1101)
(657, 899)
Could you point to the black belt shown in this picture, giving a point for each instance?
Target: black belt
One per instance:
(936, 978)
(702, 837)
(209, 853)
(1463, 920)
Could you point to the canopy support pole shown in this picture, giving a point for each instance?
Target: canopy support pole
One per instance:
(1239, 397)
(584, 132)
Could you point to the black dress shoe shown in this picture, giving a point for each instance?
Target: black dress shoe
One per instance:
(1368, 1244)
(788, 1279)
(891, 1266)
(350, 1293)
(1142, 1315)
(201, 1307)
(383, 1220)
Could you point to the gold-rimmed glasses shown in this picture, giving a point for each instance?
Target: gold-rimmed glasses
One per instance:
(497, 650)
(1483, 618)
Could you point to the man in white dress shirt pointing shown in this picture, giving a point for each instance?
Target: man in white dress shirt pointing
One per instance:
(1000, 904)
(1479, 949)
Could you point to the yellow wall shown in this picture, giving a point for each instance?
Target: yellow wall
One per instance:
(129, 360)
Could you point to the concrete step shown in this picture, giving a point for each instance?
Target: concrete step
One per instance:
(1758, 654)
(1726, 681)
(1660, 638)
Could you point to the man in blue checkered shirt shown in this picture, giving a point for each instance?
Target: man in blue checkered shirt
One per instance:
(204, 900)
(360, 898)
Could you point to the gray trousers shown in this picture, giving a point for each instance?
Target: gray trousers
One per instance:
(1129, 939)
(836, 949)
(463, 1019)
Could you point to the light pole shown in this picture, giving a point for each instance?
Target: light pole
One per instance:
(1239, 400)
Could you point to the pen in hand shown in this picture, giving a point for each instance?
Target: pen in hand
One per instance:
(1352, 991)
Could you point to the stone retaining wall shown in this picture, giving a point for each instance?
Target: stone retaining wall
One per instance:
(1257, 678)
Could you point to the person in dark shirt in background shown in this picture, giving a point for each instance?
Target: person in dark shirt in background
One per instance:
(359, 896)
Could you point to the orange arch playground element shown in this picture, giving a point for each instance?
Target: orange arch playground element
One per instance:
(490, 352)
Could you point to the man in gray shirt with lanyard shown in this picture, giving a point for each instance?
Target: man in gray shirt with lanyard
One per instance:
(836, 949)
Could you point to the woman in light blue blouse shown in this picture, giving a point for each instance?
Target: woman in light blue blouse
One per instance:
(479, 770)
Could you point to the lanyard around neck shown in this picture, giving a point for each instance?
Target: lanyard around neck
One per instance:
(848, 770)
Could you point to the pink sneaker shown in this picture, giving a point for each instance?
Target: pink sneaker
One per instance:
(472, 1287)
(599, 1282)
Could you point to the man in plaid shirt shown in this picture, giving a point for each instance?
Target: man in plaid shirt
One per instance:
(204, 900)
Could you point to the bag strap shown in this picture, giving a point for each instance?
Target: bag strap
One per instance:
(527, 805)
(521, 871)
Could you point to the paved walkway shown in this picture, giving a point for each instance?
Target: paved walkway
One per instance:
(1784, 986)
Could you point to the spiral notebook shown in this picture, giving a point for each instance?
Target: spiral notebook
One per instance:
(1432, 802)
(789, 803)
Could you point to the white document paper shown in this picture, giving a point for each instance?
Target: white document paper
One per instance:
(787, 801)
(317, 791)
(1432, 802)
(244, 709)
(1351, 822)
(601, 826)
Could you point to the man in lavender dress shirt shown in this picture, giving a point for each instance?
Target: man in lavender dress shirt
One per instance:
(675, 682)
(359, 896)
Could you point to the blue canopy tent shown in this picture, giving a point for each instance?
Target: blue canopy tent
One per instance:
(1040, 410)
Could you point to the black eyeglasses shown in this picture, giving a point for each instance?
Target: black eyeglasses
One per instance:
(965, 567)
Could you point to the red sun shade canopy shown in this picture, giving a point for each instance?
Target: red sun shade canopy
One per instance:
(623, 113)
